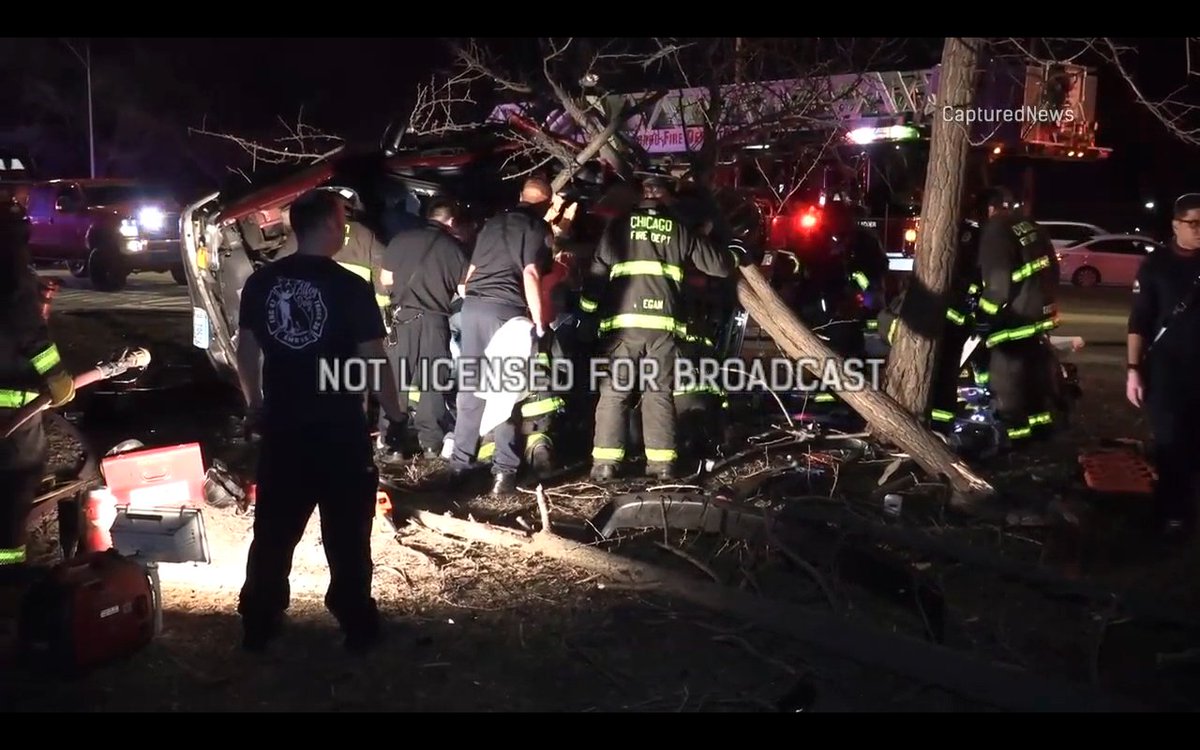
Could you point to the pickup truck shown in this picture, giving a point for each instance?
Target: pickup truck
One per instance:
(105, 230)
(15, 177)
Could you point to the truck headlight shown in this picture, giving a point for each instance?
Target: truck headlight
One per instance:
(129, 228)
(151, 218)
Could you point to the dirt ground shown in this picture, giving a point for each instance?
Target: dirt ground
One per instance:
(477, 628)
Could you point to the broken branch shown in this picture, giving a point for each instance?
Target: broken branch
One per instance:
(886, 416)
(1000, 686)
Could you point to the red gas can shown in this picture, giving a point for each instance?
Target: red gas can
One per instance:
(89, 610)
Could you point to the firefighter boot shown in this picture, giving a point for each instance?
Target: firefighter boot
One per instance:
(605, 472)
(539, 454)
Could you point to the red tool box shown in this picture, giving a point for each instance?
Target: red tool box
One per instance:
(170, 477)
(158, 494)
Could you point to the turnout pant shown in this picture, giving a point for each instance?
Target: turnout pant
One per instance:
(617, 397)
(480, 321)
(423, 338)
(944, 395)
(1173, 409)
(297, 472)
(22, 465)
(1023, 381)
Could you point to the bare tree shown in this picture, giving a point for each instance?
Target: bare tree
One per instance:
(914, 354)
(560, 96)
(301, 143)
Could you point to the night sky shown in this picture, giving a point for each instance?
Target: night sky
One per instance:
(354, 86)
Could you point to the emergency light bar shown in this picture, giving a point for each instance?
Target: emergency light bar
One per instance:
(891, 133)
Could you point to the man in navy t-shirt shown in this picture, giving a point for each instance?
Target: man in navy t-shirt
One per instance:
(316, 448)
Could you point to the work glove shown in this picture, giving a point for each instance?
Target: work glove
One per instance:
(62, 389)
(738, 248)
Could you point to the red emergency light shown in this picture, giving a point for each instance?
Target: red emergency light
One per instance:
(794, 227)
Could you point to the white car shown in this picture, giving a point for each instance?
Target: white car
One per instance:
(1067, 233)
(1111, 259)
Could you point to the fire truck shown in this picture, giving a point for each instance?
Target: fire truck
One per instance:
(864, 140)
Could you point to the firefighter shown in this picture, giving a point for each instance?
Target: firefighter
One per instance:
(864, 267)
(362, 254)
(29, 363)
(541, 411)
(1164, 326)
(700, 407)
(295, 315)
(1018, 307)
(512, 251)
(959, 326)
(422, 268)
(636, 279)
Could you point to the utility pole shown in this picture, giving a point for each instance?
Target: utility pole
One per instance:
(739, 64)
(86, 60)
(91, 122)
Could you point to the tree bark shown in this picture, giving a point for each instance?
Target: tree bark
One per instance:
(922, 316)
(886, 417)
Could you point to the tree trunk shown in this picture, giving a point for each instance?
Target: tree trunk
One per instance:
(914, 353)
(885, 416)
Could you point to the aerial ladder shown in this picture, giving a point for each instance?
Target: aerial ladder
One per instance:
(1051, 111)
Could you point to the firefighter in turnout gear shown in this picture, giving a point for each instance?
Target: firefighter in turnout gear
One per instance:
(700, 407)
(637, 283)
(864, 265)
(960, 324)
(363, 255)
(29, 364)
(1017, 309)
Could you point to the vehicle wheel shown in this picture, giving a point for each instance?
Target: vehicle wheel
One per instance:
(107, 270)
(179, 275)
(1086, 276)
(78, 268)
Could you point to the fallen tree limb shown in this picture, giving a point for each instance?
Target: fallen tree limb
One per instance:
(886, 417)
(996, 685)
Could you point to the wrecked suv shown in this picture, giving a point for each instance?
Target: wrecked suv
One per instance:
(227, 235)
